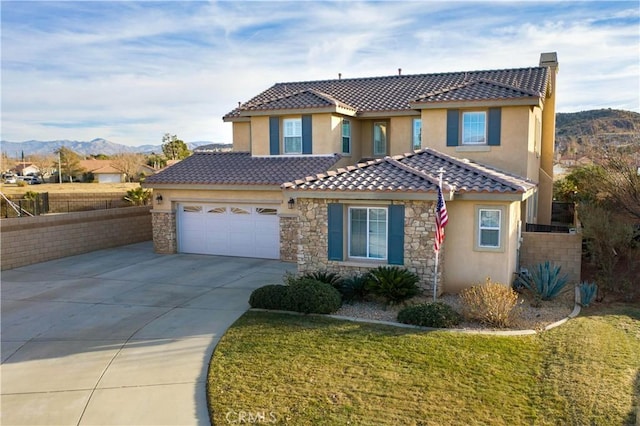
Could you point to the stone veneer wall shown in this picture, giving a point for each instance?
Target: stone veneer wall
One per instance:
(289, 238)
(564, 250)
(28, 240)
(164, 232)
(419, 230)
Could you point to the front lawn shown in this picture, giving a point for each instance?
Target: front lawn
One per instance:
(301, 370)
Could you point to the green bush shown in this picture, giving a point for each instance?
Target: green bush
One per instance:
(331, 278)
(308, 296)
(270, 296)
(393, 283)
(437, 314)
(544, 281)
(490, 303)
(354, 288)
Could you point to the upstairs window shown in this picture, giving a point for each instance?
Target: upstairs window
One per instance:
(346, 137)
(379, 138)
(417, 133)
(474, 128)
(292, 135)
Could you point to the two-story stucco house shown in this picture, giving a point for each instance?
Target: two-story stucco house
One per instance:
(343, 174)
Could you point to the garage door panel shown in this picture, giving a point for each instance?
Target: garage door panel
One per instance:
(231, 230)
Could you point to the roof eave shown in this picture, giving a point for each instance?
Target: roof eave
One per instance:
(528, 101)
(298, 111)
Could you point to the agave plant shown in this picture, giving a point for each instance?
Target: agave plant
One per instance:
(544, 281)
(588, 292)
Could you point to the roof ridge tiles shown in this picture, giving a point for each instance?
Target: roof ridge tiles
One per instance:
(472, 166)
(404, 76)
(419, 173)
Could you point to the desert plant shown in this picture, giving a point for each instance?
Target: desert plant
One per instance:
(436, 314)
(588, 292)
(270, 296)
(307, 295)
(544, 281)
(354, 288)
(335, 280)
(393, 283)
(491, 303)
(137, 196)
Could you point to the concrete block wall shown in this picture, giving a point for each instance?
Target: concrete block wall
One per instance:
(29, 240)
(564, 250)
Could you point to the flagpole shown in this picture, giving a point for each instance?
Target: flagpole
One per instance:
(435, 277)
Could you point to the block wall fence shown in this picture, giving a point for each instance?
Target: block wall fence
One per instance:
(565, 250)
(29, 240)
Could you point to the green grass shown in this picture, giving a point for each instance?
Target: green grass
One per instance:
(311, 370)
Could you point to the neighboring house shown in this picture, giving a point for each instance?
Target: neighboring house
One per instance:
(26, 169)
(102, 171)
(492, 132)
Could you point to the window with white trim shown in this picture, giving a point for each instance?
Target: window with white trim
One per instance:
(368, 233)
(346, 137)
(489, 228)
(292, 141)
(474, 128)
(380, 138)
(417, 133)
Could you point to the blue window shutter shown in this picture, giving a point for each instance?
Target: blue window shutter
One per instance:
(395, 247)
(494, 126)
(306, 135)
(334, 220)
(453, 126)
(274, 135)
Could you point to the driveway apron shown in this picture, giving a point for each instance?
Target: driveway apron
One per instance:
(120, 336)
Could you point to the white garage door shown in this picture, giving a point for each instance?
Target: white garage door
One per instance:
(229, 230)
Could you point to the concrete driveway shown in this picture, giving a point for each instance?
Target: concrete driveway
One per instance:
(120, 336)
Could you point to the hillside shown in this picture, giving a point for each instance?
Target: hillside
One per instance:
(592, 132)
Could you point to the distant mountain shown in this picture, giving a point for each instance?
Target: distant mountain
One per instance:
(94, 147)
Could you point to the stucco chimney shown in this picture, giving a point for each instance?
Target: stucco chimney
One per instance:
(549, 59)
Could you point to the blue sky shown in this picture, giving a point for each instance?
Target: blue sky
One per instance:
(131, 71)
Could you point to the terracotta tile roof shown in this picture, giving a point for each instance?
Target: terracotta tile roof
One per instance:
(415, 172)
(240, 168)
(400, 92)
(99, 166)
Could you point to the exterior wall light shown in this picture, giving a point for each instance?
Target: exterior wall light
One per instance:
(291, 203)
(159, 199)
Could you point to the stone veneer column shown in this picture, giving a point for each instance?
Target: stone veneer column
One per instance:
(164, 232)
(289, 238)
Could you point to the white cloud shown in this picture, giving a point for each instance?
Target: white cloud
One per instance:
(131, 71)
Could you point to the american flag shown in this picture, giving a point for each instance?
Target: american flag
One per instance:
(441, 220)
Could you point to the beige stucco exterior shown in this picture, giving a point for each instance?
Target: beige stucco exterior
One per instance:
(466, 264)
(242, 136)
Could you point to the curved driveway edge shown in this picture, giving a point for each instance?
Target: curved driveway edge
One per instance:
(119, 336)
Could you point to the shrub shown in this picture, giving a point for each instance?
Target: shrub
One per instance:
(138, 196)
(490, 303)
(331, 278)
(393, 283)
(437, 314)
(588, 292)
(544, 281)
(354, 288)
(311, 296)
(270, 296)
